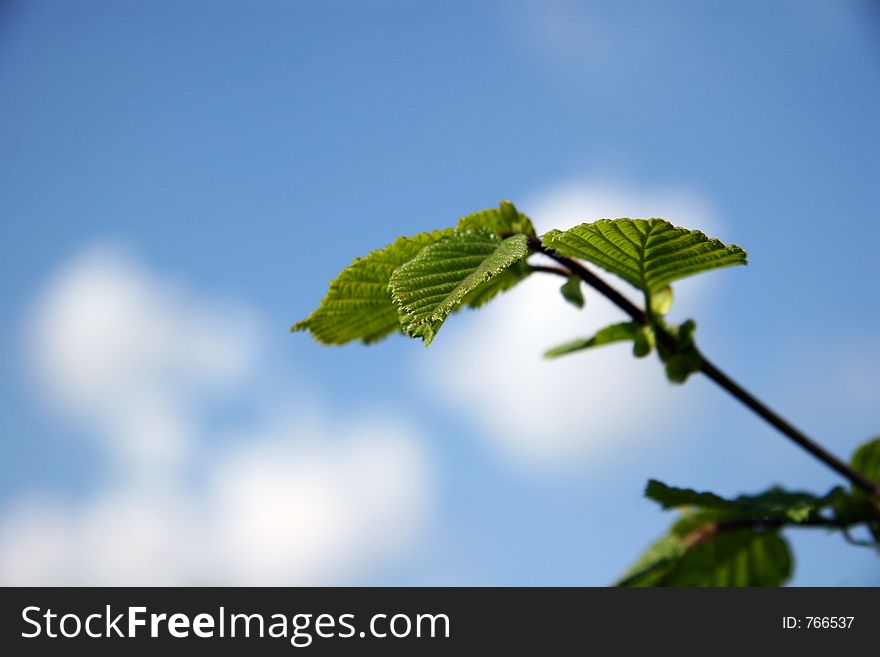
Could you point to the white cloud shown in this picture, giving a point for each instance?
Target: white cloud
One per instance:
(126, 352)
(560, 413)
(313, 512)
(293, 500)
(285, 509)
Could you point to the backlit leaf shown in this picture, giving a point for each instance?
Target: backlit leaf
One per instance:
(434, 283)
(647, 253)
(358, 305)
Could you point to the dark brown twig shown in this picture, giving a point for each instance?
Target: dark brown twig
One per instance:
(712, 372)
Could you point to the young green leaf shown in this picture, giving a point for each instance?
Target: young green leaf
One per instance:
(358, 305)
(661, 301)
(571, 292)
(866, 459)
(647, 253)
(504, 220)
(734, 558)
(790, 506)
(698, 551)
(607, 335)
(644, 340)
(435, 282)
(729, 558)
(653, 566)
(683, 359)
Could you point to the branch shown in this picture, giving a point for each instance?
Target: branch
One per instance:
(710, 370)
(712, 528)
(559, 271)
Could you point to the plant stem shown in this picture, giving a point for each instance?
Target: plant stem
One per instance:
(744, 396)
(710, 370)
(559, 271)
(707, 531)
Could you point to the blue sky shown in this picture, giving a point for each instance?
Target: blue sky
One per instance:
(194, 173)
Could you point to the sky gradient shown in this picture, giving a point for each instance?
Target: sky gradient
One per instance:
(181, 180)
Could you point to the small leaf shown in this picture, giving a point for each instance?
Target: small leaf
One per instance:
(654, 565)
(671, 497)
(647, 253)
(358, 305)
(434, 283)
(607, 335)
(697, 552)
(684, 334)
(790, 506)
(661, 301)
(643, 342)
(503, 221)
(680, 366)
(571, 292)
(866, 459)
(734, 558)
(684, 359)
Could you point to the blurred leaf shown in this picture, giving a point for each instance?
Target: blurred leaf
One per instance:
(435, 282)
(571, 292)
(866, 459)
(684, 359)
(655, 563)
(607, 335)
(643, 341)
(793, 506)
(670, 497)
(681, 365)
(733, 558)
(358, 305)
(661, 301)
(790, 506)
(699, 551)
(647, 253)
(848, 505)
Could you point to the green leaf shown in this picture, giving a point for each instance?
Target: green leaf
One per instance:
(643, 342)
(790, 506)
(647, 253)
(661, 301)
(671, 497)
(680, 366)
(571, 292)
(684, 359)
(866, 459)
(734, 558)
(607, 335)
(484, 293)
(435, 282)
(655, 563)
(502, 221)
(358, 305)
(698, 552)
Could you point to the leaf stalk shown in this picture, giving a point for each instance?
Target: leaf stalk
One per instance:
(751, 402)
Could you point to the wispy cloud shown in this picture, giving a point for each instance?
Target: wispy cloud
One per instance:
(294, 499)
